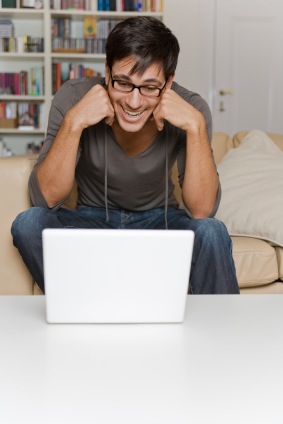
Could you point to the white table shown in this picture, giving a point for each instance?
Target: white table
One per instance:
(224, 364)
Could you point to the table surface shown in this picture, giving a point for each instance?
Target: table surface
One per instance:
(222, 365)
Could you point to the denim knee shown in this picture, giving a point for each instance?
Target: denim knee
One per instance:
(212, 231)
(29, 223)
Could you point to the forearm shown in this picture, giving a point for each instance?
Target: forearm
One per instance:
(55, 174)
(201, 182)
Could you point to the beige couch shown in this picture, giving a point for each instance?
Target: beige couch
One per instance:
(259, 265)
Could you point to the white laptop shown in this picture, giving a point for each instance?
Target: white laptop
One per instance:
(116, 276)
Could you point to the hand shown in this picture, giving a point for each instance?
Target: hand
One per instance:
(92, 108)
(178, 112)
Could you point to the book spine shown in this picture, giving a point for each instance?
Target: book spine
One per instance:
(100, 5)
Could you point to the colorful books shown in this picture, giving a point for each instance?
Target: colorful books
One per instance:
(110, 5)
(27, 82)
(62, 71)
(22, 115)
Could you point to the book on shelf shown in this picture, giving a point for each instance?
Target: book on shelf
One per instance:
(6, 28)
(69, 4)
(61, 27)
(21, 115)
(9, 4)
(63, 71)
(32, 4)
(33, 44)
(22, 44)
(72, 4)
(109, 5)
(95, 34)
(2, 110)
(36, 81)
(90, 26)
(8, 115)
(29, 115)
(29, 82)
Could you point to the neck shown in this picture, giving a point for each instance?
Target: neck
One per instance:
(135, 142)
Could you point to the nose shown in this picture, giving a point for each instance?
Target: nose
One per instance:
(134, 99)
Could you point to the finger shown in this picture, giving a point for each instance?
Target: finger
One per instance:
(155, 115)
(160, 124)
(159, 121)
(109, 120)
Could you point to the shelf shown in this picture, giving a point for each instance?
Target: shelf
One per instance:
(22, 13)
(16, 131)
(102, 14)
(26, 56)
(12, 98)
(84, 56)
(38, 23)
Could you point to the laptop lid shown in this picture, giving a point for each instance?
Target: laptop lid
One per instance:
(116, 276)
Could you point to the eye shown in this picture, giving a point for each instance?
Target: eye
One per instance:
(124, 84)
(149, 88)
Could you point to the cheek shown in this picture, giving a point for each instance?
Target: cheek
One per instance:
(114, 95)
(153, 105)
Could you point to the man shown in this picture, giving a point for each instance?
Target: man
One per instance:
(118, 137)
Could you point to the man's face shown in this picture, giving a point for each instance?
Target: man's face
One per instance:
(133, 110)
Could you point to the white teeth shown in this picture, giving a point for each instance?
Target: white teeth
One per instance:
(132, 113)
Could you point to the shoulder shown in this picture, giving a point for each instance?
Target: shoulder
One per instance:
(190, 96)
(73, 90)
(197, 101)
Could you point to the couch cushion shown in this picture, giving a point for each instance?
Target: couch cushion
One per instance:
(279, 252)
(255, 261)
(252, 185)
(272, 288)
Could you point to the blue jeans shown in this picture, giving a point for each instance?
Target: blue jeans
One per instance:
(212, 270)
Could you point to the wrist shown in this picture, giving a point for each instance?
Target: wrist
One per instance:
(197, 127)
(72, 122)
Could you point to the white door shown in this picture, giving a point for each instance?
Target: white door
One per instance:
(248, 66)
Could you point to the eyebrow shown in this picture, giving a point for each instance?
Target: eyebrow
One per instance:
(126, 77)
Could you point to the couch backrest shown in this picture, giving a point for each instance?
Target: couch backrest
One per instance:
(277, 138)
(221, 143)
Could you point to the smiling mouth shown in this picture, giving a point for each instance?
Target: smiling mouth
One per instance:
(132, 114)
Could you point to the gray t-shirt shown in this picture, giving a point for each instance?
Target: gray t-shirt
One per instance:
(135, 183)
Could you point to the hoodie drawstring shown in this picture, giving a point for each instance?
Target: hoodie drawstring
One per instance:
(106, 175)
(166, 181)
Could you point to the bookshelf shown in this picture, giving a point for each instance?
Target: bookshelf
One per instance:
(48, 45)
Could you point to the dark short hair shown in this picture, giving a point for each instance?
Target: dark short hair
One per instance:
(146, 38)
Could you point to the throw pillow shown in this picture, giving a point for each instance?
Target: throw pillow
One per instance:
(251, 177)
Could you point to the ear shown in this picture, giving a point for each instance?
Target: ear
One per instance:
(170, 81)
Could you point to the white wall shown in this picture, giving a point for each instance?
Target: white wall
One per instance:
(192, 22)
(181, 18)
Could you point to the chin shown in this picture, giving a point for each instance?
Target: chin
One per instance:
(131, 127)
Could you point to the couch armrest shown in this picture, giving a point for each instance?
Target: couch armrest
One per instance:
(14, 174)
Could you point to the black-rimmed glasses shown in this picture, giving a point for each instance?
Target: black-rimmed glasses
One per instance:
(145, 90)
